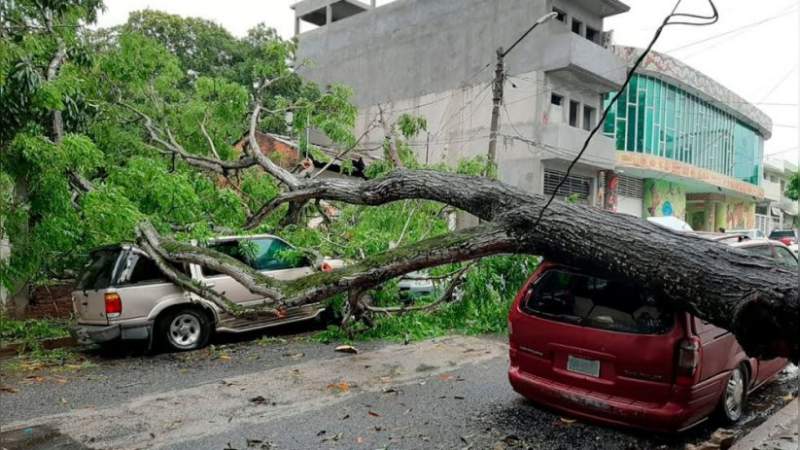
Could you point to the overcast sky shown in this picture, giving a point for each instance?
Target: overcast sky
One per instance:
(756, 55)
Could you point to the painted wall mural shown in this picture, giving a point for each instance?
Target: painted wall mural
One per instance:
(739, 214)
(664, 198)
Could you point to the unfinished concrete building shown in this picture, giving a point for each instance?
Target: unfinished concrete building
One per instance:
(436, 59)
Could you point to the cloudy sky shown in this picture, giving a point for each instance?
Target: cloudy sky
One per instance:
(754, 48)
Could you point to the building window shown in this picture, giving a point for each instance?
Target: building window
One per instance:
(561, 16)
(577, 26)
(655, 117)
(592, 35)
(556, 108)
(574, 107)
(574, 186)
(589, 117)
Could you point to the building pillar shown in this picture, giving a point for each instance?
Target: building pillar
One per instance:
(296, 25)
(373, 3)
(328, 14)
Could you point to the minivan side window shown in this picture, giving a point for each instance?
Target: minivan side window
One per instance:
(785, 257)
(570, 297)
(762, 250)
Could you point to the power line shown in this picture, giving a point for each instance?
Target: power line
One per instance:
(781, 14)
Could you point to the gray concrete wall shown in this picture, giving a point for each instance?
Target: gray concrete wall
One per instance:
(414, 47)
(429, 58)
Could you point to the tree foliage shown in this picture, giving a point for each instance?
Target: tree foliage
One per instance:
(190, 75)
(793, 187)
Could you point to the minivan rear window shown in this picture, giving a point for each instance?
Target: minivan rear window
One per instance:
(99, 273)
(595, 302)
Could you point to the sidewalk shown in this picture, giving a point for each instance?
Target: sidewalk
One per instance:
(779, 432)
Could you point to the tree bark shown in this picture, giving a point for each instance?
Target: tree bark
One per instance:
(747, 294)
(750, 295)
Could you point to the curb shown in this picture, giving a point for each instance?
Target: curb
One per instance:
(15, 348)
(779, 432)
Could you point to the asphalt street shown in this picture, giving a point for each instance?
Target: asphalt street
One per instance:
(295, 393)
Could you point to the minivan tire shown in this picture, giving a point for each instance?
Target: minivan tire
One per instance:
(734, 396)
(183, 329)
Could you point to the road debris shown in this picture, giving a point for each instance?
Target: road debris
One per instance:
(346, 349)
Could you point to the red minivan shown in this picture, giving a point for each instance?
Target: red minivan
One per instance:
(605, 350)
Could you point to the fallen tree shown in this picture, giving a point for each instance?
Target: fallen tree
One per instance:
(745, 293)
(115, 180)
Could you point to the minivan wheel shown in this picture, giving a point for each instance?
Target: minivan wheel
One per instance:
(184, 329)
(734, 396)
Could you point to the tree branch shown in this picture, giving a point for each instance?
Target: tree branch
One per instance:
(447, 295)
(169, 146)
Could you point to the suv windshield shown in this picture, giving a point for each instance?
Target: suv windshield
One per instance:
(597, 303)
(98, 274)
(777, 234)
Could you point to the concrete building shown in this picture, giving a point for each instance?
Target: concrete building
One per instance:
(687, 147)
(777, 212)
(435, 59)
(677, 143)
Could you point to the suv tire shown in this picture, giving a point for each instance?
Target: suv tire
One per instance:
(183, 329)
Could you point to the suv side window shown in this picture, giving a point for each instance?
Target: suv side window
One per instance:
(785, 257)
(274, 254)
(260, 254)
(138, 268)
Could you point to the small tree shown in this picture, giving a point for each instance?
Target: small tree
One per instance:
(793, 187)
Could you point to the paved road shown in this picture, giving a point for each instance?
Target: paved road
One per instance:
(298, 394)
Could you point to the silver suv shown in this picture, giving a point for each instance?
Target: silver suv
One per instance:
(123, 295)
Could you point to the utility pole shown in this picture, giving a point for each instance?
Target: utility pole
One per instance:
(497, 101)
(497, 91)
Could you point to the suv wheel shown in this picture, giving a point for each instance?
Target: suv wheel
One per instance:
(734, 396)
(184, 329)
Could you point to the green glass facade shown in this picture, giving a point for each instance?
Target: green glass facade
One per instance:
(661, 119)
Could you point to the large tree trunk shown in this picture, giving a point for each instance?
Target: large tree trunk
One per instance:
(747, 294)
(750, 295)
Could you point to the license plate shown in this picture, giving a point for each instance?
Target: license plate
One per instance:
(583, 366)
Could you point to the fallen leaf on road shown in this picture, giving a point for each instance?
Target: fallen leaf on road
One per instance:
(359, 440)
(335, 437)
(341, 387)
(445, 377)
(259, 400)
(224, 357)
(787, 398)
(8, 389)
(567, 421)
(347, 349)
(373, 414)
(34, 379)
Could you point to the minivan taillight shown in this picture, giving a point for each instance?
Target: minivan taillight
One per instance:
(113, 305)
(688, 359)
